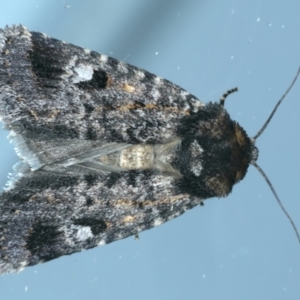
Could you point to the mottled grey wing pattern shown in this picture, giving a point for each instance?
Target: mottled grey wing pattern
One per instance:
(65, 108)
(108, 150)
(63, 95)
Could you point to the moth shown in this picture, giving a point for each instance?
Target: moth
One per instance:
(107, 149)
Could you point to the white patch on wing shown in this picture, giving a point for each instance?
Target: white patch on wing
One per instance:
(23, 264)
(158, 80)
(83, 233)
(103, 58)
(101, 243)
(140, 74)
(158, 222)
(83, 72)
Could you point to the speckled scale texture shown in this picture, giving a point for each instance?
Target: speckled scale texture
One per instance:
(107, 149)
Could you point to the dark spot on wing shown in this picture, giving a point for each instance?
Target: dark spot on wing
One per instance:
(43, 243)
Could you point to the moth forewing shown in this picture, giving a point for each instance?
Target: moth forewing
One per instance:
(108, 150)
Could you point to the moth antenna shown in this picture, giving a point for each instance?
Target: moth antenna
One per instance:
(277, 198)
(275, 108)
(225, 95)
(253, 162)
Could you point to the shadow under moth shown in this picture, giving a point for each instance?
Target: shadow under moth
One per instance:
(107, 149)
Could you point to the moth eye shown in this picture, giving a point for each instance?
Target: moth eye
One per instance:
(238, 176)
(219, 184)
(241, 153)
(241, 136)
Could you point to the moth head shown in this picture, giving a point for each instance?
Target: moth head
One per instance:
(254, 150)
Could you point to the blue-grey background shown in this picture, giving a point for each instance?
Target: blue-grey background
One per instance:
(241, 247)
